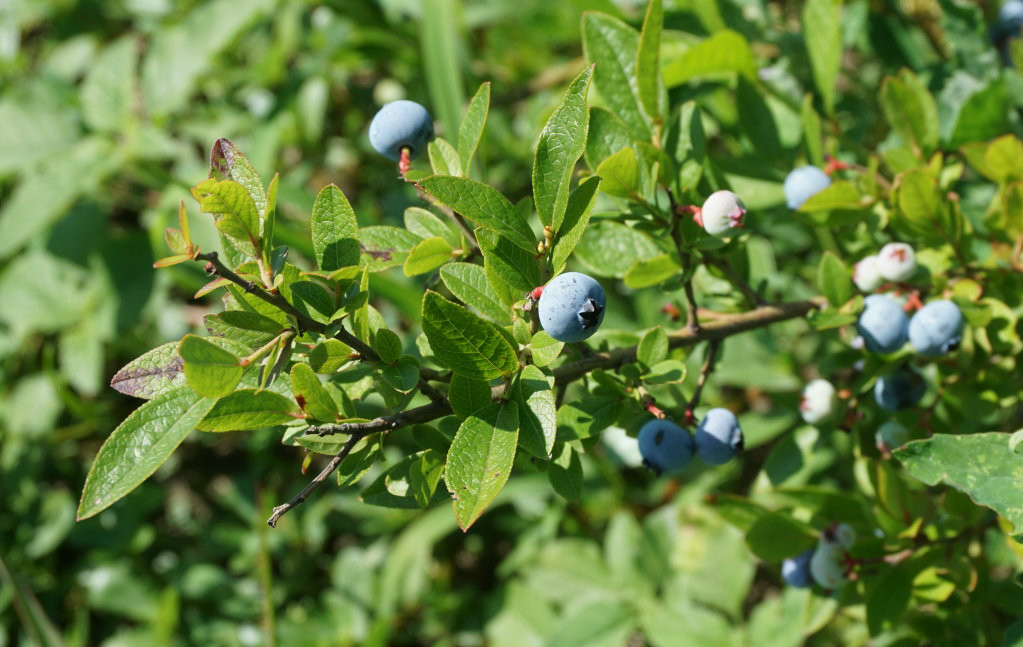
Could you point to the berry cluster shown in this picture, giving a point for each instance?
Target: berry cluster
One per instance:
(667, 448)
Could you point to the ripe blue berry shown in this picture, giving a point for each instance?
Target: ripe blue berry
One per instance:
(719, 437)
(882, 324)
(803, 183)
(665, 446)
(401, 124)
(796, 570)
(572, 307)
(900, 390)
(937, 328)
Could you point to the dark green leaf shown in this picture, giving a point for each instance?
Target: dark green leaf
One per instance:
(310, 394)
(538, 423)
(249, 409)
(471, 128)
(483, 205)
(774, 536)
(469, 283)
(834, 279)
(465, 343)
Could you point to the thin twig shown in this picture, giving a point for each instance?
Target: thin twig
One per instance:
(315, 483)
(276, 300)
(708, 368)
(685, 258)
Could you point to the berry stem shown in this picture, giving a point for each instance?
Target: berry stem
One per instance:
(405, 163)
(708, 368)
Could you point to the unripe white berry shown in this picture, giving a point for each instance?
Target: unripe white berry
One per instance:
(818, 401)
(722, 211)
(896, 262)
(867, 274)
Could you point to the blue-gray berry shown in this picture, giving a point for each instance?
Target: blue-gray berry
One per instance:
(719, 437)
(882, 324)
(796, 570)
(803, 183)
(401, 124)
(937, 328)
(900, 390)
(665, 446)
(572, 307)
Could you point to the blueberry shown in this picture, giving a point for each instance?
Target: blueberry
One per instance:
(867, 274)
(842, 534)
(401, 124)
(803, 183)
(572, 307)
(896, 262)
(666, 447)
(827, 565)
(891, 435)
(1007, 27)
(818, 401)
(719, 437)
(796, 570)
(722, 211)
(937, 328)
(900, 390)
(882, 324)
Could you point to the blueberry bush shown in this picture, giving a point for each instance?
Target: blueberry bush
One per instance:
(700, 328)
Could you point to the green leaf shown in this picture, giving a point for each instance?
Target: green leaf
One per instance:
(669, 371)
(239, 217)
(612, 46)
(608, 135)
(151, 374)
(467, 396)
(981, 465)
(653, 347)
(139, 445)
(444, 158)
(465, 343)
(838, 195)
(566, 473)
(726, 52)
(1003, 159)
(108, 91)
(609, 248)
(651, 271)
(690, 143)
(480, 460)
(313, 300)
(620, 173)
(649, 81)
(561, 144)
(228, 163)
(424, 476)
(834, 279)
(471, 129)
(812, 131)
(544, 349)
(384, 247)
(329, 355)
(888, 596)
(394, 488)
(577, 217)
(517, 268)
(403, 375)
(595, 623)
(822, 32)
(211, 371)
(538, 422)
(483, 205)
(310, 394)
(469, 283)
(249, 328)
(387, 344)
(775, 537)
(427, 256)
(587, 417)
(249, 409)
(335, 230)
(424, 224)
(911, 111)
(922, 211)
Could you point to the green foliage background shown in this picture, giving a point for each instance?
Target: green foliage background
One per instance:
(107, 112)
